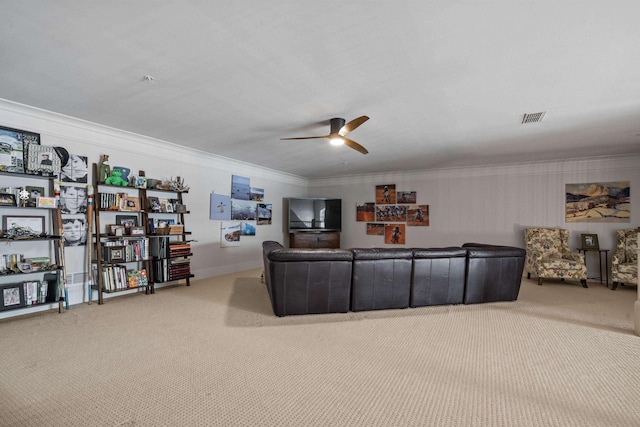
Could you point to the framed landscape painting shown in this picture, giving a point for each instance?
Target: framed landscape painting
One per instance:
(598, 202)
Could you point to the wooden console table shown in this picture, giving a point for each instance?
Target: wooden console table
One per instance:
(311, 239)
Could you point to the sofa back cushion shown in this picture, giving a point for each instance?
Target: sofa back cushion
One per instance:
(438, 276)
(381, 278)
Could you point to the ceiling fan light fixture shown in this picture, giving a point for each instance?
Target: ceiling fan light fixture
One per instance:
(336, 141)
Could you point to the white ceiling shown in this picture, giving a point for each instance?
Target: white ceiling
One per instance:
(445, 83)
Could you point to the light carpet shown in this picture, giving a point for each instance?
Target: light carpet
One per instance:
(213, 354)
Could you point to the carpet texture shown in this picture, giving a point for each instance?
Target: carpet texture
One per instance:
(213, 354)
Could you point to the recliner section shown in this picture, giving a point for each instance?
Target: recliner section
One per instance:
(310, 281)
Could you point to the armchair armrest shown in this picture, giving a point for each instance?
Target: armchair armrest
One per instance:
(573, 256)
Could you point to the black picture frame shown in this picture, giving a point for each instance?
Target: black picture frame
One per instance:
(34, 194)
(18, 154)
(11, 296)
(7, 199)
(590, 241)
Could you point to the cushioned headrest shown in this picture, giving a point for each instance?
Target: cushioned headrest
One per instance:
(382, 253)
(310, 255)
(439, 252)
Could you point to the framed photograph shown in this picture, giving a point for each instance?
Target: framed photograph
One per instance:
(127, 220)
(140, 182)
(114, 253)
(47, 202)
(42, 160)
(35, 223)
(117, 229)
(7, 199)
(180, 208)
(153, 204)
(12, 296)
(34, 194)
(131, 204)
(136, 231)
(590, 241)
(13, 148)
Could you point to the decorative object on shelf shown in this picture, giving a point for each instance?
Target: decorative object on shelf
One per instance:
(589, 241)
(116, 178)
(178, 185)
(23, 196)
(180, 208)
(104, 170)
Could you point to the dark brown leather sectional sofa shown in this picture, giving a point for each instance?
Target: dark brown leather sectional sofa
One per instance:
(311, 281)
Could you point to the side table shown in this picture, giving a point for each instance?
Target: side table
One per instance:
(606, 262)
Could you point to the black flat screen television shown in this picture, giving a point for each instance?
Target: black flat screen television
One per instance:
(314, 214)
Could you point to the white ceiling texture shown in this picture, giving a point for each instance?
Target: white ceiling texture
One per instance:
(445, 83)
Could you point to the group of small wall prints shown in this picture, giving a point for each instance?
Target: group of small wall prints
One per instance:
(73, 199)
(391, 213)
(240, 212)
(598, 202)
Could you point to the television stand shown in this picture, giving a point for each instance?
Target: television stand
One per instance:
(315, 239)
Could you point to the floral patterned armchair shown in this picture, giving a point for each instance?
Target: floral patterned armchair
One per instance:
(624, 264)
(549, 256)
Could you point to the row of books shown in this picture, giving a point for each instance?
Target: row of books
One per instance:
(116, 278)
(179, 249)
(35, 292)
(126, 250)
(166, 270)
(118, 201)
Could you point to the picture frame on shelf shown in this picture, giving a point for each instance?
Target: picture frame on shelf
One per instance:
(46, 202)
(7, 199)
(131, 204)
(136, 231)
(33, 222)
(181, 208)
(153, 204)
(34, 194)
(117, 230)
(590, 241)
(127, 220)
(140, 182)
(12, 296)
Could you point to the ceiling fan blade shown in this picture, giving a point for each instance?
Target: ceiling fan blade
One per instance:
(307, 137)
(350, 143)
(352, 125)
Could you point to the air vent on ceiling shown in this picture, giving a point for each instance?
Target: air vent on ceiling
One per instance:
(532, 117)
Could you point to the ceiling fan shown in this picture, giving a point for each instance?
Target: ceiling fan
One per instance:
(338, 131)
